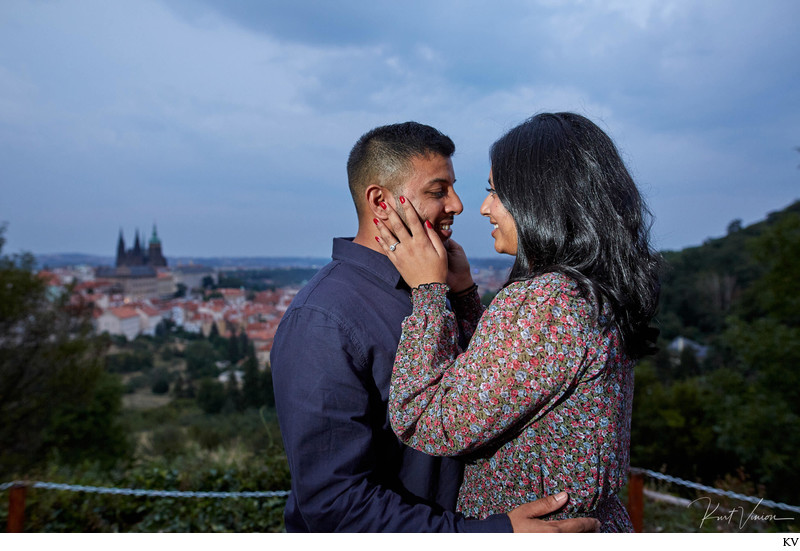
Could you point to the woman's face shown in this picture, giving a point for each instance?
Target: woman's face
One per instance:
(505, 230)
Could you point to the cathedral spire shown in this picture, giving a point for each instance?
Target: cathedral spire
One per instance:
(154, 238)
(154, 255)
(120, 249)
(143, 252)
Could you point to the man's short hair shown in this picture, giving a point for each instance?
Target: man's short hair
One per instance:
(383, 155)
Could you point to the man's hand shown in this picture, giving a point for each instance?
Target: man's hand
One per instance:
(459, 275)
(525, 518)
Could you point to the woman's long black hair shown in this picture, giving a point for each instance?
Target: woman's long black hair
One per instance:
(579, 212)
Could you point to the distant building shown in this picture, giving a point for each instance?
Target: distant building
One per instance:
(679, 344)
(137, 256)
(124, 320)
(192, 276)
(140, 273)
(129, 321)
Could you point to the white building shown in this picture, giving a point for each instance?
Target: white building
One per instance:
(129, 321)
(122, 320)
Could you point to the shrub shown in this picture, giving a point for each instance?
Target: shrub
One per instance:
(211, 396)
(168, 442)
(161, 386)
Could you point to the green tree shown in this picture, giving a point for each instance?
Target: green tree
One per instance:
(738, 411)
(268, 390)
(159, 381)
(183, 388)
(674, 427)
(211, 396)
(55, 395)
(244, 345)
(234, 353)
(778, 250)
(688, 365)
(252, 392)
(180, 291)
(201, 358)
(129, 361)
(759, 388)
(90, 429)
(233, 394)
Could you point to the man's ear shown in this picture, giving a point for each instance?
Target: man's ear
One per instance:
(375, 195)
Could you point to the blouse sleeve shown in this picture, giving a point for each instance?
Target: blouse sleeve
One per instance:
(468, 310)
(529, 348)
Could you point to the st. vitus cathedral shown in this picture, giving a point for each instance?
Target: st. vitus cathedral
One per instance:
(138, 255)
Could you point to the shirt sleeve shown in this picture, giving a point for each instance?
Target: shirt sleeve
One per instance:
(527, 351)
(327, 417)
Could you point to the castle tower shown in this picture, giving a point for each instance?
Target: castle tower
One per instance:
(138, 255)
(154, 255)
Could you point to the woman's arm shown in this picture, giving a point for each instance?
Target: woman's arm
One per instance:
(528, 350)
(468, 310)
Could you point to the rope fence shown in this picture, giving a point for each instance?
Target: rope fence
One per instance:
(18, 489)
(134, 492)
(708, 489)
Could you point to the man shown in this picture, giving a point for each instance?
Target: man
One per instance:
(332, 364)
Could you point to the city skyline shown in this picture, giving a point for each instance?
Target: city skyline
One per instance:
(261, 260)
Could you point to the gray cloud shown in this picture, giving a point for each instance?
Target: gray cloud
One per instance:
(229, 123)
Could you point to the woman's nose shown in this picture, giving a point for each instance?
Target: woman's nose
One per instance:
(485, 206)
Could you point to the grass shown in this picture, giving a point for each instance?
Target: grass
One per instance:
(143, 398)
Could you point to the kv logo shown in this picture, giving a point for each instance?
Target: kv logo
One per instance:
(790, 542)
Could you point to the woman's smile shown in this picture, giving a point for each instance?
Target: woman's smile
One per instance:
(504, 230)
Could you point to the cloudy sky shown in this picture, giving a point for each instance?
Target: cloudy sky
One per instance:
(228, 123)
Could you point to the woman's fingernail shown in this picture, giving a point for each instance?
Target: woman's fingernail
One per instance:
(428, 223)
(375, 220)
(402, 199)
(383, 205)
(378, 239)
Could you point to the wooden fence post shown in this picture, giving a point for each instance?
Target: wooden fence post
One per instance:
(636, 500)
(16, 507)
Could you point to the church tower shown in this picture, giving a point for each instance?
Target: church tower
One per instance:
(121, 250)
(154, 255)
(136, 257)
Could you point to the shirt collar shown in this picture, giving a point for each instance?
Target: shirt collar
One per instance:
(374, 262)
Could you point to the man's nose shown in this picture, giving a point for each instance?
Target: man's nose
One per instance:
(454, 204)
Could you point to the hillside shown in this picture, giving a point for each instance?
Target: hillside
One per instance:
(701, 285)
(712, 414)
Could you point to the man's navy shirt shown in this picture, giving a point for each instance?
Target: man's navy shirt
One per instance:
(332, 365)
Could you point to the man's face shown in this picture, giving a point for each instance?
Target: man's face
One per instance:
(430, 190)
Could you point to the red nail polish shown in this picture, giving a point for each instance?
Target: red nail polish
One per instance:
(402, 199)
(383, 205)
(428, 223)
(378, 239)
(375, 220)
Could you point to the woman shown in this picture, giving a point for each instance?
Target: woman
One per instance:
(540, 401)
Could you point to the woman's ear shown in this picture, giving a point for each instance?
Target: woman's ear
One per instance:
(375, 195)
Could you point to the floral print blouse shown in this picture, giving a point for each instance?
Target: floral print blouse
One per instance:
(539, 402)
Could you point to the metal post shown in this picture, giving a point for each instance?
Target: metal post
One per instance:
(636, 500)
(16, 507)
